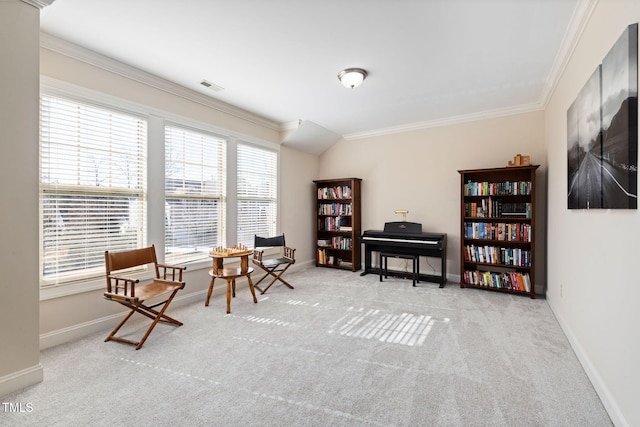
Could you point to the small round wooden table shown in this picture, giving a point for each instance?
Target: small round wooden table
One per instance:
(230, 274)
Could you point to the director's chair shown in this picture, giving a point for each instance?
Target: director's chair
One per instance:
(274, 267)
(128, 292)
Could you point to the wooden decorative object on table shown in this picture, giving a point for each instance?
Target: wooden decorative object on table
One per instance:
(230, 274)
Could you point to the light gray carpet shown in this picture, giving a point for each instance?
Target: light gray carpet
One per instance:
(339, 350)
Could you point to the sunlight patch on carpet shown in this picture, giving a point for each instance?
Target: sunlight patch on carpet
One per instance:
(404, 329)
(266, 320)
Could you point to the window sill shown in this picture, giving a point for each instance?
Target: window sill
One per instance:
(98, 283)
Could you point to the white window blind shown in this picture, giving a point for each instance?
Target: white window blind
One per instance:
(257, 193)
(194, 193)
(92, 187)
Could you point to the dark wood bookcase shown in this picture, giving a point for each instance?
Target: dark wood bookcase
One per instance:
(497, 229)
(338, 226)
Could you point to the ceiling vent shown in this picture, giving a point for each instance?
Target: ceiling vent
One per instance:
(211, 86)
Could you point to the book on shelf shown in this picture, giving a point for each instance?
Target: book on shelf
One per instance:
(506, 280)
(514, 232)
(507, 188)
(336, 192)
(515, 257)
(339, 242)
(496, 208)
(335, 223)
(516, 210)
(344, 263)
(323, 258)
(335, 209)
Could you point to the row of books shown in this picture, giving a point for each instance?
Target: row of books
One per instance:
(507, 188)
(498, 255)
(335, 209)
(324, 258)
(336, 223)
(498, 231)
(337, 242)
(517, 209)
(495, 208)
(507, 280)
(337, 192)
(327, 258)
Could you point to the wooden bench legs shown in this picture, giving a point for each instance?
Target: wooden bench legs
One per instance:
(383, 261)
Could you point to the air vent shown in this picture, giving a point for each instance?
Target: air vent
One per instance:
(211, 86)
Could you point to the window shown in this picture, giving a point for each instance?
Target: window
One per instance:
(194, 193)
(257, 193)
(98, 157)
(92, 187)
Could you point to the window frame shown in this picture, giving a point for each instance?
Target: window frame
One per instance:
(156, 119)
(220, 197)
(259, 198)
(74, 150)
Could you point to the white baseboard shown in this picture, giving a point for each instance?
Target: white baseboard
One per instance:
(19, 380)
(81, 330)
(599, 385)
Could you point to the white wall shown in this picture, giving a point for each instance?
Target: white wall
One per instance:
(593, 285)
(418, 171)
(19, 349)
(297, 172)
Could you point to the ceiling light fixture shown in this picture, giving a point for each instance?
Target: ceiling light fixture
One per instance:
(352, 77)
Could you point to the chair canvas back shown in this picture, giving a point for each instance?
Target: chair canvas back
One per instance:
(263, 242)
(127, 259)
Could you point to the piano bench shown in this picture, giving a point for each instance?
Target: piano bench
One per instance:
(384, 264)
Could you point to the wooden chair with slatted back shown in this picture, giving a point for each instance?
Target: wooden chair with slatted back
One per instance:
(276, 266)
(124, 289)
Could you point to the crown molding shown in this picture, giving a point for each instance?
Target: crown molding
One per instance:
(447, 121)
(55, 44)
(295, 124)
(40, 4)
(579, 20)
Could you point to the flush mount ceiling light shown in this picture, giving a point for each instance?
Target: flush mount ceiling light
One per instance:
(352, 77)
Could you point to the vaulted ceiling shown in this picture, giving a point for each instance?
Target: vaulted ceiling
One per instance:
(428, 61)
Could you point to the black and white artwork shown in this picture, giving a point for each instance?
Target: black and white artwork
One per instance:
(602, 132)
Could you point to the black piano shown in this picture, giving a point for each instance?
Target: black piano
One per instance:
(402, 237)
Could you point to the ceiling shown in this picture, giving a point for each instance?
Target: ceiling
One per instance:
(428, 61)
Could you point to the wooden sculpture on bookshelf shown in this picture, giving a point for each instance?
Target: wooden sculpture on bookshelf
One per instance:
(520, 160)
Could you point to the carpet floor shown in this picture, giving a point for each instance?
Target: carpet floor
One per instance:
(339, 350)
